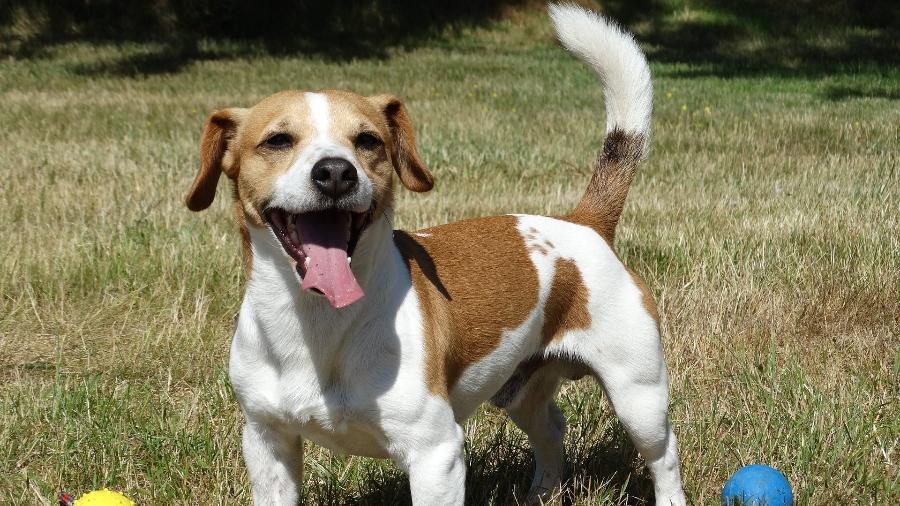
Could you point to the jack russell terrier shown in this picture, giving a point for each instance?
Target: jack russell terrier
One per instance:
(386, 356)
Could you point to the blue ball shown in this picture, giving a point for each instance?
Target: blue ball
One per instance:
(757, 485)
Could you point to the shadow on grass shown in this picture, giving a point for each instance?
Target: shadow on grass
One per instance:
(507, 484)
(724, 38)
(163, 59)
(499, 470)
(730, 38)
(335, 30)
(838, 93)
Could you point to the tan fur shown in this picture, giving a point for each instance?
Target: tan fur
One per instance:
(352, 114)
(567, 304)
(413, 173)
(284, 112)
(220, 130)
(646, 296)
(452, 270)
(602, 203)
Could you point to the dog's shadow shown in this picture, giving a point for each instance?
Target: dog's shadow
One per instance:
(602, 464)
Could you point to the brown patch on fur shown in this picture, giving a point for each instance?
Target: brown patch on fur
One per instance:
(412, 172)
(468, 298)
(539, 249)
(646, 296)
(218, 134)
(602, 203)
(567, 304)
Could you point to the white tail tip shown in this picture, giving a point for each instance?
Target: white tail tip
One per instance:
(616, 58)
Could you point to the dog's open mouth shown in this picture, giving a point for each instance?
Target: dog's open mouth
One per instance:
(322, 244)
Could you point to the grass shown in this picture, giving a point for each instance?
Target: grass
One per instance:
(765, 222)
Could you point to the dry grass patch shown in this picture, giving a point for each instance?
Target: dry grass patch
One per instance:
(765, 222)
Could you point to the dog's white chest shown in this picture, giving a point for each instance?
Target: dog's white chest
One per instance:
(303, 375)
(322, 406)
(340, 419)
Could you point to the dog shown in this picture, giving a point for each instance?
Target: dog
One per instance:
(378, 342)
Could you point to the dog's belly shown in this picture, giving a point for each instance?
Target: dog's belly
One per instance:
(350, 438)
(481, 380)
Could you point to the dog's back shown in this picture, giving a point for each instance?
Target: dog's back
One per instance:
(482, 277)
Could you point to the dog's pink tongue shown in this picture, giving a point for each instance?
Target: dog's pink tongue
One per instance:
(324, 238)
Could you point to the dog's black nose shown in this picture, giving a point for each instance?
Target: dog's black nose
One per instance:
(334, 177)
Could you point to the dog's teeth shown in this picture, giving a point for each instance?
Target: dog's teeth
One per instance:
(306, 262)
(294, 236)
(348, 260)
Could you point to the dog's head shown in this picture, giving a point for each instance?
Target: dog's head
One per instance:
(316, 168)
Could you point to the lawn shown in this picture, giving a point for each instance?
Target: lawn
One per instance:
(765, 222)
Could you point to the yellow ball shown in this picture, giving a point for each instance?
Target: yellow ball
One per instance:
(103, 497)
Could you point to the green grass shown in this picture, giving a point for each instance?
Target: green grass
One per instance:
(765, 222)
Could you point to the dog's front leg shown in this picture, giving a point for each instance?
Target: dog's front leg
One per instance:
(275, 464)
(437, 471)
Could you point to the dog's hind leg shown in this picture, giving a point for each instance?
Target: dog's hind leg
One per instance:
(534, 411)
(626, 356)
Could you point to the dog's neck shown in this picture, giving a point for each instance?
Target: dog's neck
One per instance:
(277, 300)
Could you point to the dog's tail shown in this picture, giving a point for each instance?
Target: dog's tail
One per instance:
(616, 58)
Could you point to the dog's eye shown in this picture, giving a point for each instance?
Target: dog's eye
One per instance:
(367, 141)
(279, 141)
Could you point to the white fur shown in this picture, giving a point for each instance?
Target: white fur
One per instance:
(293, 190)
(616, 58)
(319, 113)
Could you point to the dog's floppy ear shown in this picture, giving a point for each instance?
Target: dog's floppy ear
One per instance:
(413, 173)
(215, 157)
